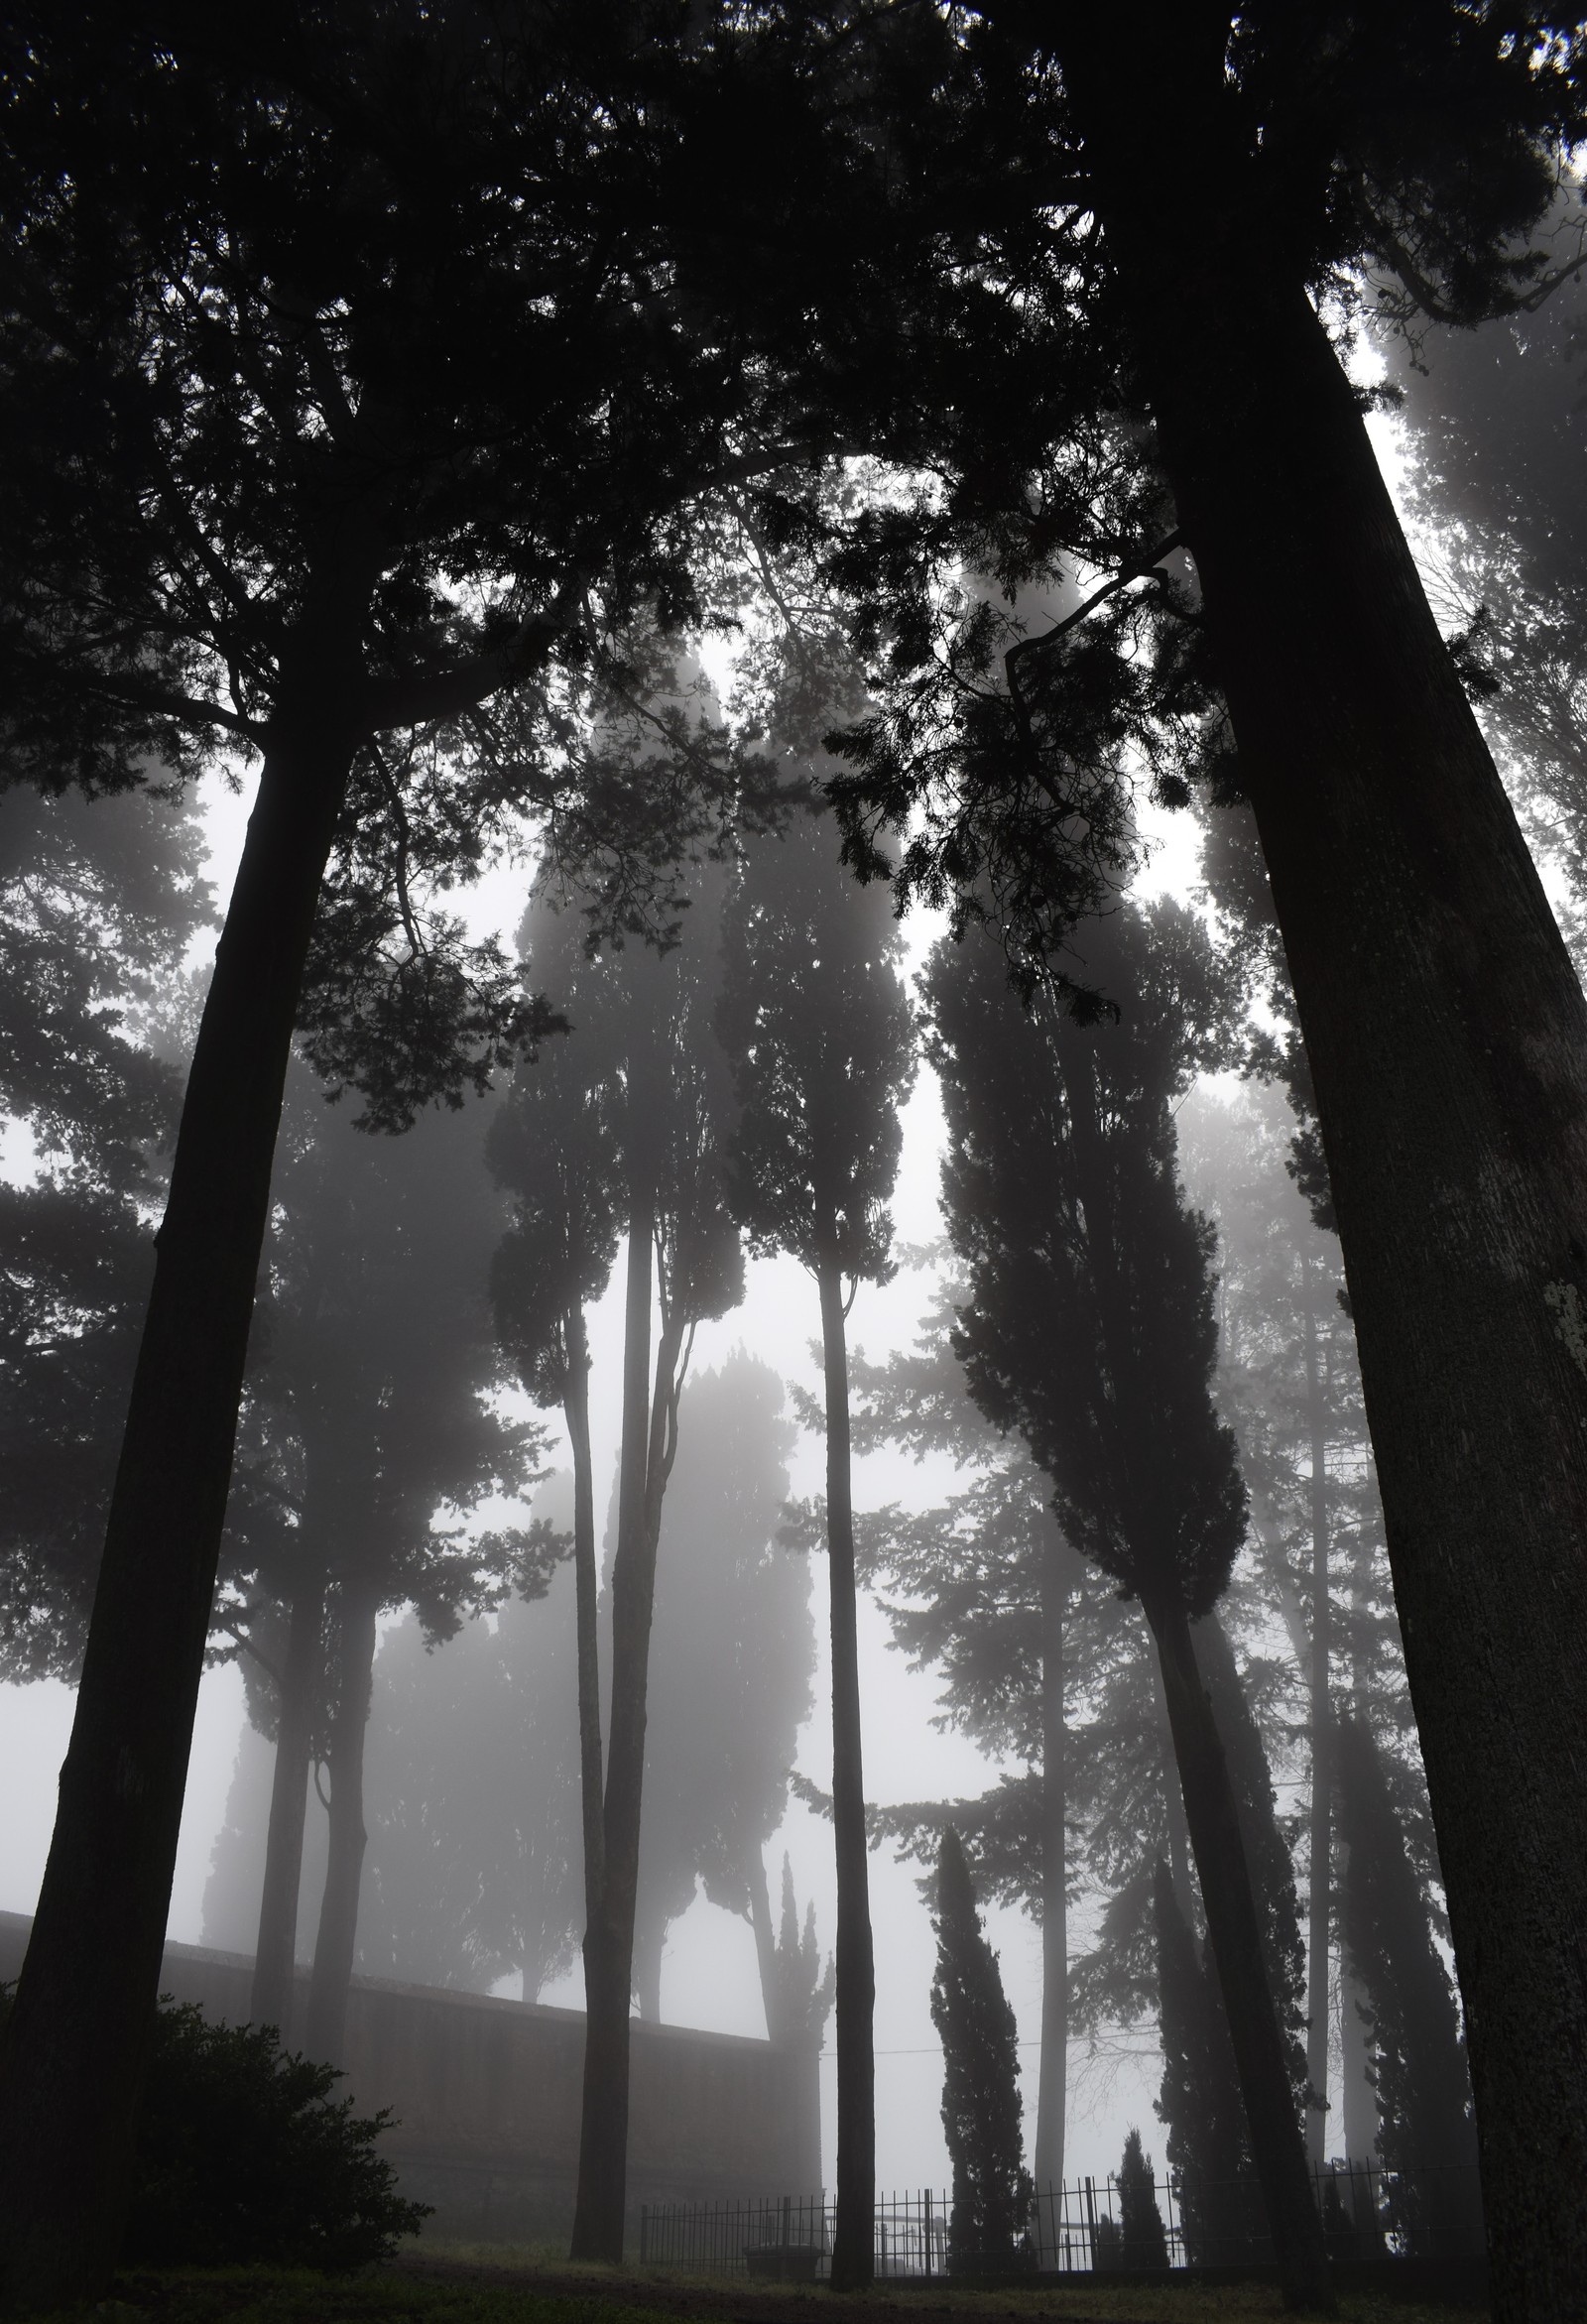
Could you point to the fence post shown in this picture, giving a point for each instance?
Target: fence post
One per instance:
(643, 2233)
(927, 2230)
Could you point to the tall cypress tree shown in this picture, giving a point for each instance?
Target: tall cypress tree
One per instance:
(1092, 1330)
(981, 2106)
(821, 1037)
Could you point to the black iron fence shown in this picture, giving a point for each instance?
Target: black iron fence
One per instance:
(1367, 2213)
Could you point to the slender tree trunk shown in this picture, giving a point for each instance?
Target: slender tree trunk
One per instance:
(608, 1934)
(1447, 1039)
(586, 1587)
(337, 1940)
(1318, 1915)
(1235, 1933)
(650, 1444)
(1052, 2089)
(77, 2040)
(853, 2245)
(275, 1955)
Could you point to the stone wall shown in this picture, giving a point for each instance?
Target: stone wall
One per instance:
(486, 2098)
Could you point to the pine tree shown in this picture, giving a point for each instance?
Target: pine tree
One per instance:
(981, 2108)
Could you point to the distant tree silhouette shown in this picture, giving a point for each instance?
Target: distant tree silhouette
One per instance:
(981, 2108)
(732, 1656)
(1141, 2231)
(797, 1990)
(820, 1033)
(1092, 1330)
(378, 1359)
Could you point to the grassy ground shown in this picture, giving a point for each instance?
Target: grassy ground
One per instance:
(459, 2285)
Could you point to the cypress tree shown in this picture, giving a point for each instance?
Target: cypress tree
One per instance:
(1145, 2245)
(1199, 2103)
(981, 2108)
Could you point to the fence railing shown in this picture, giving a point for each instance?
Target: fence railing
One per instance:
(1087, 2226)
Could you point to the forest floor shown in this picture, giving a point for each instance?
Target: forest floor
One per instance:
(466, 2287)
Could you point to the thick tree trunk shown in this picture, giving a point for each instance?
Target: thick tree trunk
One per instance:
(1318, 1916)
(1235, 1933)
(275, 1955)
(337, 1939)
(78, 2036)
(1173, 1804)
(1447, 1039)
(1052, 2097)
(853, 2244)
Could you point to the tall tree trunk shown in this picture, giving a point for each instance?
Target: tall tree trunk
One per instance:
(1174, 1805)
(276, 1953)
(586, 1589)
(650, 1444)
(1447, 1039)
(1052, 2097)
(77, 2041)
(853, 2244)
(608, 1935)
(1318, 1915)
(337, 1940)
(1235, 1933)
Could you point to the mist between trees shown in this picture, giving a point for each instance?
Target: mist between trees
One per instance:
(413, 410)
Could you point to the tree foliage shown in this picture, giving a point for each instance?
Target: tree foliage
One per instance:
(981, 2108)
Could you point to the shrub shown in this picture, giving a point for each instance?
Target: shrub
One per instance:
(244, 2155)
(1140, 2220)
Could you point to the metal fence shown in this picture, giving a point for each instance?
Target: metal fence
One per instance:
(1367, 2214)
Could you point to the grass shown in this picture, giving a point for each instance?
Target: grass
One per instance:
(408, 2295)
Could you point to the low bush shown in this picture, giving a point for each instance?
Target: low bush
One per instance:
(245, 2156)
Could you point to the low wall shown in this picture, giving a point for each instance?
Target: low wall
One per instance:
(486, 2098)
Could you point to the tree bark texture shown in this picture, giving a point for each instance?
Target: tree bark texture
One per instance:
(78, 2038)
(1051, 2097)
(853, 2244)
(1447, 1039)
(276, 1953)
(1235, 1934)
(338, 1937)
(1318, 1915)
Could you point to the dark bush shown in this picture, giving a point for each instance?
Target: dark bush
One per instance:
(244, 2155)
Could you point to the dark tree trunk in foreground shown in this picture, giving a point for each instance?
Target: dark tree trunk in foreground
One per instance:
(1447, 1039)
(78, 2036)
(1235, 1933)
(1052, 2091)
(337, 1938)
(853, 2245)
(276, 1953)
(1318, 1915)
